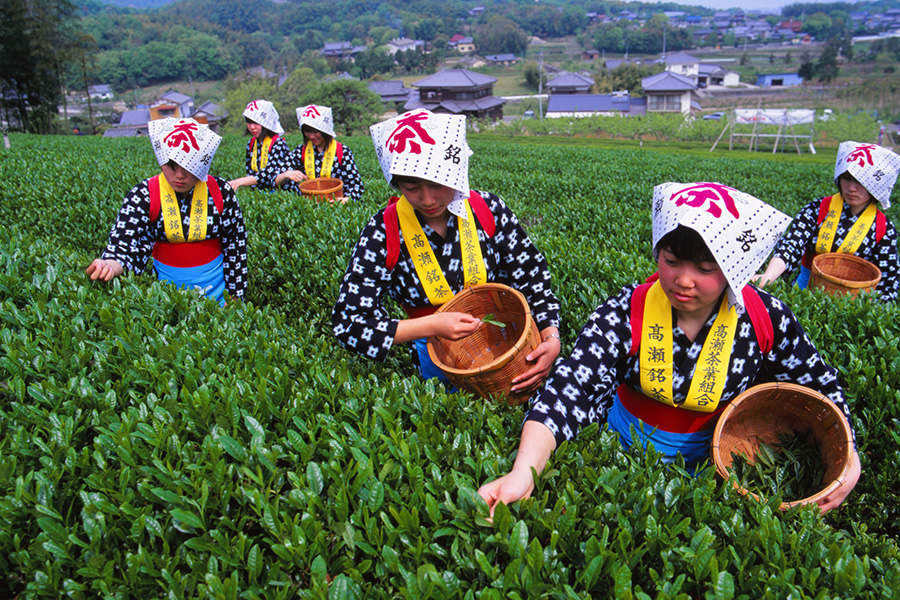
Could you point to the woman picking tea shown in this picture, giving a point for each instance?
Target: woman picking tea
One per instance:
(189, 221)
(320, 155)
(266, 146)
(847, 222)
(669, 355)
(434, 240)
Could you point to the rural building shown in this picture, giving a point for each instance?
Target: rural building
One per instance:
(778, 80)
(336, 51)
(710, 74)
(458, 92)
(570, 83)
(404, 45)
(171, 104)
(590, 55)
(504, 60)
(462, 44)
(101, 92)
(683, 64)
(392, 92)
(591, 105)
(669, 92)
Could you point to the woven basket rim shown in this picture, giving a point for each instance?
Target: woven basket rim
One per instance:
(337, 184)
(847, 283)
(504, 358)
(749, 395)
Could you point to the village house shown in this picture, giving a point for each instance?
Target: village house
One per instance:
(171, 104)
(461, 43)
(458, 92)
(590, 105)
(101, 92)
(570, 83)
(404, 45)
(669, 92)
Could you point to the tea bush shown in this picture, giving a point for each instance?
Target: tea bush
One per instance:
(153, 444)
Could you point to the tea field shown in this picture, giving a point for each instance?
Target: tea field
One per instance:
(154, 445)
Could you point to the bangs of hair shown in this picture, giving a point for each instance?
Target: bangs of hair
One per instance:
(686, 244)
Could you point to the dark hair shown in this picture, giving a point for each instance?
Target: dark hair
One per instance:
(398, 179)
(686, 244)
(848, 176)
(306, 128)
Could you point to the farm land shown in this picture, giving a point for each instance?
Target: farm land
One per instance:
(152, 444)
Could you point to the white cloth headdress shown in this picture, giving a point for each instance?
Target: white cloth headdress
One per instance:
(317, 117)
(873, 166)
(738, 229)
(185, 141)
(264, 113)
(428, 146)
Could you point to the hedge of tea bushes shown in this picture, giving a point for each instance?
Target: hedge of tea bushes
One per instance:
(153, 444)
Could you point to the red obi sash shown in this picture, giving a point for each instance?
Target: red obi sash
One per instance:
(665, 417)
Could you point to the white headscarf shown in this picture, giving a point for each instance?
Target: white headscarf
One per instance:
(317, 117)
(185, 141)
(873, 166)
(428, 146)
(739, 229)
(264, 113)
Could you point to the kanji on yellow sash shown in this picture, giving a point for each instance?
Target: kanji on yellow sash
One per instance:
(309, 160)
(264, 158)
(855, 237)
(656, 359)
(172, 214)
(436, 287)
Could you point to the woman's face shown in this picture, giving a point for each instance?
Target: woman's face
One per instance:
(854, 194)
(429, 198)
(178, 177)
(315, 136)
(691, 286)
(254, 128)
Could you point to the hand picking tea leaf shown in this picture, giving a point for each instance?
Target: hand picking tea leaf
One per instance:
(490, 319)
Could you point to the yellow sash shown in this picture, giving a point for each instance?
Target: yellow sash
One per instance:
(309, 160)
(857, 233)
(656, 354)
(427, 267)
(264, 159)
(171, 214)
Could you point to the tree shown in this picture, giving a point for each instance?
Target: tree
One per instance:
(372, 61)
(36, 38)
(626, 77)
(501, 36)
(354, 105)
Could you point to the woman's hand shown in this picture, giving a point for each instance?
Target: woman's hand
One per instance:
(535, 448)
(104, 269)
(242, 181)
(773, 271)
(543, 356)
(293, 175)
(449, 325)
(513, 486)
(835, 498)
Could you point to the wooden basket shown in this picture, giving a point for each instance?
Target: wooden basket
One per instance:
(839, 273)
(322, 188)
(486, 362)
(764, 412)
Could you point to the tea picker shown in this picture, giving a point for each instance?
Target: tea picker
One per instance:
(848, 222)
(266, 146)
(436, 239)
(669, 355)
(320, 155)
(189, 221)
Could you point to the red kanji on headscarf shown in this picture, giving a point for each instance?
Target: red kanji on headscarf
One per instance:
(311, 111)
(862, 155)
(182, 134)
(715, 194)
(406, 132)
(252, 106)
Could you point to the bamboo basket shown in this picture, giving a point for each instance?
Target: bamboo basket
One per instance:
(322, 188)
(762, 413)
(486, 362)
(838, 273)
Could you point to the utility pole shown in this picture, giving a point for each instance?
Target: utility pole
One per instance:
(541, 86)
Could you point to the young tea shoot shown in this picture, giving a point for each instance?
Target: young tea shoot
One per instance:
(793, 468)
(490, 319)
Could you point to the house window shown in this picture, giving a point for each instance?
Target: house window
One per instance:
(664, 103)
(167, 112)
